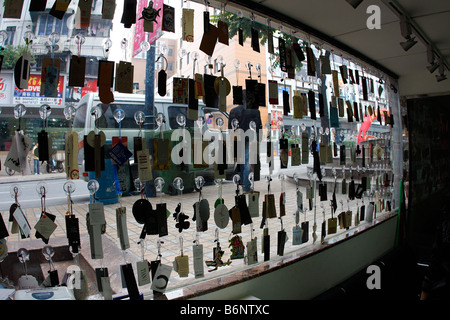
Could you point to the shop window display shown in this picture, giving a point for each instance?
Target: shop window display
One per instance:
(177, 191)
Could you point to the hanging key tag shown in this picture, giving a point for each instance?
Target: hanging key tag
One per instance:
(181, 263)
(222, 87)
(52, 280)
(45, 225)
(142, 267)
(71, 146)
(161, 147)
(72, 225)
(122, 230)
(252, 248)
(95, 221)
(197, 250)
(282, 238)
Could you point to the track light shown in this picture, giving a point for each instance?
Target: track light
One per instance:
(354, 3)
(405, 29)
(433, 66)
(441, 76)
(408, 44)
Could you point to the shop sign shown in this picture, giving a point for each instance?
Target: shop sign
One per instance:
(32, 96)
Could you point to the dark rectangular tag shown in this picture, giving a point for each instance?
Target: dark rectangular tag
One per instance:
(261, 94)
(251, 93)
(286, 105)
(312, 104)
(162, 83)
(192, 101)
(298, 51)
(168, 20)
(243, 209)
(321, 105)
(255, 39)
(241, 36)
(305, 231)
(281, 242)
(211, 98)
(223, 32)
(130, 281)
(77, 71)
(43, 146)
(206, 21)
(37, 5)
(73, 232)
(237, 95)
(138, 141)
(209, 40)
(342, 155)
(355, 111)
(161, 218)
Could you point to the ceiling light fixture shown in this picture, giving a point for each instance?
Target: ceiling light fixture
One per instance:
(405, 29)
(441, 76)
(431, 60)
(432, 68)
(408, 44)
(354, 3)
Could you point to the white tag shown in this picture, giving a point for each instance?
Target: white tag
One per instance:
(144, 166)
(143, 272)
(198, 261)
(161, 278)
(22, 222)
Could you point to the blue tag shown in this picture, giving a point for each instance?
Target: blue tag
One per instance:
(119, 154)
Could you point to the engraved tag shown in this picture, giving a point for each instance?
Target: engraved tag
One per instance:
(143, 272)
(22, 222)
(252, 251)
(198, 261)
(332, 225)
(96, 213)
(182, 263)
(161, 278)
(122, 231)
(45, 226)
(144, 166)
(188, 25)
(296, 235)
(270, 206)
(124, 77)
